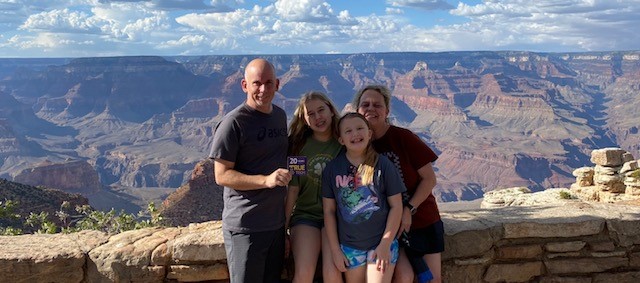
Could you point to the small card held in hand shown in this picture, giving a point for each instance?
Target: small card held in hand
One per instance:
(298, 165)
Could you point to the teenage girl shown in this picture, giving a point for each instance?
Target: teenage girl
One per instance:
(313, 135)
(362, 204)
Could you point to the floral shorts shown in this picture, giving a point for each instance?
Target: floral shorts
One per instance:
(359, 258)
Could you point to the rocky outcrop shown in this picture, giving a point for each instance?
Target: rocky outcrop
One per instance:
(199, 200)
(615, 177)
(73, 177)
(573, 242)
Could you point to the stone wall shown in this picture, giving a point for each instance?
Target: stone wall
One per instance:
(568, 241)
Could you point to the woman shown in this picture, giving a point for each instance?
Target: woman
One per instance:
(413, 158)
(312, 134)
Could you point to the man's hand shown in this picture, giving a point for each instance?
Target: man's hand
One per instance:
(280, 177)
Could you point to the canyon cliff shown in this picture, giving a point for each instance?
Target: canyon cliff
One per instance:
(496, 119)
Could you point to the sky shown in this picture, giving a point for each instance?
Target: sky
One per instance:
(97, 28)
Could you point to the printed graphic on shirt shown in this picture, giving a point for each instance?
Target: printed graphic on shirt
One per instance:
(316, 165)
(271, 133)
(356, 205)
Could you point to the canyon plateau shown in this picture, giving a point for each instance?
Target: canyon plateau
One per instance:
(496, 119)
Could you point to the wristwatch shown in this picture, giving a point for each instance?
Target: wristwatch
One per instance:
(412, 208)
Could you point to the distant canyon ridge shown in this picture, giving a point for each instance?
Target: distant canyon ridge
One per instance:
(496, 119)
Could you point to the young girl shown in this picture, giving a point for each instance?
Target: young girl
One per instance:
(362, 205)
(313, 134)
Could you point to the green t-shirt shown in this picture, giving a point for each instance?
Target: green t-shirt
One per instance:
(309, 202)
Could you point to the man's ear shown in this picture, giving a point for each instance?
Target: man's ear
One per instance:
(277, 84)
(243, 83)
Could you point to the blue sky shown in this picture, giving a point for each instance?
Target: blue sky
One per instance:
(87, 28)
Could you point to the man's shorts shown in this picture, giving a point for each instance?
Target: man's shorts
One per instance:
(359, 258)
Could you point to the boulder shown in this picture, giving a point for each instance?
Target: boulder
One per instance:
(47, 257)
(610, 156)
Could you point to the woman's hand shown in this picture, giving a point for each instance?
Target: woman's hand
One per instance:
(405, 222)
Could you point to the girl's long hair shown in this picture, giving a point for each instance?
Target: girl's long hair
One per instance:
(366, 169)
(299, 131)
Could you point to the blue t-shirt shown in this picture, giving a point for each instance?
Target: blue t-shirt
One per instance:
(257, 143)
(361, 210)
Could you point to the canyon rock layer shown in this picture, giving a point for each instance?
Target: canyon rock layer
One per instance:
(496, 119)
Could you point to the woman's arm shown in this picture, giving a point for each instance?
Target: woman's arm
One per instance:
(331, 228)
(426, 185)
(424, 189)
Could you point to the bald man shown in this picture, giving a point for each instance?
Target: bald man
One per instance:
(250, 151)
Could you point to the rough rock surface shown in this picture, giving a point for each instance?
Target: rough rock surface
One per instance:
(74, 177)
(199, 200)
(540, 243)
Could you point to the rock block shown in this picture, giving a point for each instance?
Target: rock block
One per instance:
(633, 276)
(629, 166)
(553, 230)
(560, 247)
(584, 265)
(583, 172)
(611, 156)
(606, 246)
(563, 279)
(520, 252)
(634, 259)
(46, 258)
(202, 243)
(198, 273)
(625, 232)
(514, 272)
(127, 256)
(606, 170)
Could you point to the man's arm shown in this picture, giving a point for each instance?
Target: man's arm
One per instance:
(228, 177)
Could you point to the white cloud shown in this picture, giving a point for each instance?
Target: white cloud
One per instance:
(312, 26)
(393, 11)
(46, 42)
(238, 23)
(187, 40)
(214, 5)
(572, 24)
(304, 10)
(422, 4)
(61, 21)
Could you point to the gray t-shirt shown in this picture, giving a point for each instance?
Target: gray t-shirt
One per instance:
(361, 211)
(257, 143)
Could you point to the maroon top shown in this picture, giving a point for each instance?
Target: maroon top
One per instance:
(409, 153)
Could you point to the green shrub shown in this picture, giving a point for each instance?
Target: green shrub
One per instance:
(565, 195)
(635, 174)
(7, 213)
(83, 218)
